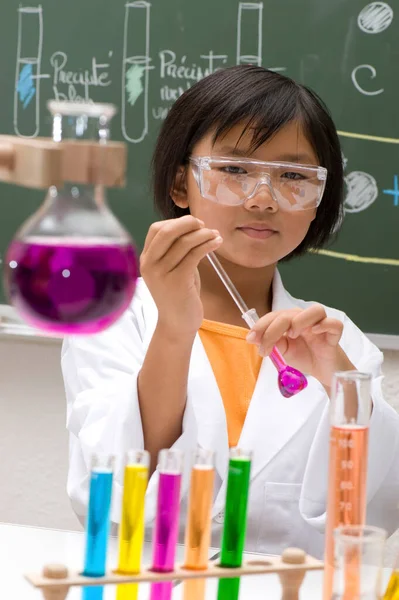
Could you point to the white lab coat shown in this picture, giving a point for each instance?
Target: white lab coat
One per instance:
(289, 437)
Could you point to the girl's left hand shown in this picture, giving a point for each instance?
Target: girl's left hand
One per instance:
(307, 338)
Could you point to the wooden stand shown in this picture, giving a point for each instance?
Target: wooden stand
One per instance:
(41, 163)
(291, 580)
(55, 580)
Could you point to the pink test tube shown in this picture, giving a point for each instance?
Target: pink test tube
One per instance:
(170, 467)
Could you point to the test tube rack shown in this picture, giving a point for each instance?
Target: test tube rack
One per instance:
(55, 580)
(41, 162)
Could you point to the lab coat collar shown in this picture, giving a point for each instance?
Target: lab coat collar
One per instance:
(281, 299)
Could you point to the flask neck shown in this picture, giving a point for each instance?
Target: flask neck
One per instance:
(78, 195)
(74, 208)
(81, 127)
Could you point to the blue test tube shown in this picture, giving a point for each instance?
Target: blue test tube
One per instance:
(95, 592)
(98, 516)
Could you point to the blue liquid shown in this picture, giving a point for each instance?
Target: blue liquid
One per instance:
(93, 593)
(98, 523)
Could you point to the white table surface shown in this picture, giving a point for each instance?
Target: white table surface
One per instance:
(26, 549)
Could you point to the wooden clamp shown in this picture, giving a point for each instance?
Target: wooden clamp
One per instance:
(41, 162)
(55, 580)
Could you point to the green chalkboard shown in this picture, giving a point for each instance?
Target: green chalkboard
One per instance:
(142, 55)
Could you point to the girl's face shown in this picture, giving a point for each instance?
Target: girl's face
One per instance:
(281, 231)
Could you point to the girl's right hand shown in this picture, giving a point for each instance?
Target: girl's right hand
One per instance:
(168, 264)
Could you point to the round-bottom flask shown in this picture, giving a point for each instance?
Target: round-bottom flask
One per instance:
(72, 268)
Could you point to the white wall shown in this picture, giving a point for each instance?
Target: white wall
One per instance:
(391, 393)
(33, 439)
(391, 381)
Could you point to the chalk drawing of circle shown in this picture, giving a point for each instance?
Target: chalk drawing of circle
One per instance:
(375, 17)
(362, 191)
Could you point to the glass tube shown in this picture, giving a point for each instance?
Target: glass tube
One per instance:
(235, 520)
(170, 467)
(198, 530)
(392, 591)
(350, 411)
(359, 554)
(98, 515)
(194, 589)
(131, 530)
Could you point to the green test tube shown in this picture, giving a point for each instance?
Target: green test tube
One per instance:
(235, 512)
(235, 519)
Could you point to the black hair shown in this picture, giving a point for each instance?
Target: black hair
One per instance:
(265, 101)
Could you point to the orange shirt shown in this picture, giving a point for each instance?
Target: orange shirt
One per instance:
(236, 366)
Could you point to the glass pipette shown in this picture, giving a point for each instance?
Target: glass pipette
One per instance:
(290, 380)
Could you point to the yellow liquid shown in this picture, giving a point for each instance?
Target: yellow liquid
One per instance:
(392, 592)
(131, 534)
(127, 591)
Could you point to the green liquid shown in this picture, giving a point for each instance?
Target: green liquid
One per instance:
(235, 519)
(229, 589)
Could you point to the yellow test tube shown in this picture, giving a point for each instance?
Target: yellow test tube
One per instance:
(131, 529)
(392, 591)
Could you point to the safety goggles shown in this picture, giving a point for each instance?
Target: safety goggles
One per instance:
(232, 181)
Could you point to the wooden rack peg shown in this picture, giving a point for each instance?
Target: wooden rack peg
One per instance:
(54, 572)
(291, 580)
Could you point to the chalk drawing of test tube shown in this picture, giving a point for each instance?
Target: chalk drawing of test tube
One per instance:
(27, 74)
(249, 33)
(135, 71)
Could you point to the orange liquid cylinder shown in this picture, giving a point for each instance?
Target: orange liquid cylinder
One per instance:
(194, 589)
(198, 530)
(347, 475)
(347, 498)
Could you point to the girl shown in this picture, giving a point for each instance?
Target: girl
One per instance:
(180, 369)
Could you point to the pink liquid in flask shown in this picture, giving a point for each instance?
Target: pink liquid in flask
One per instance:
(71, 286)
